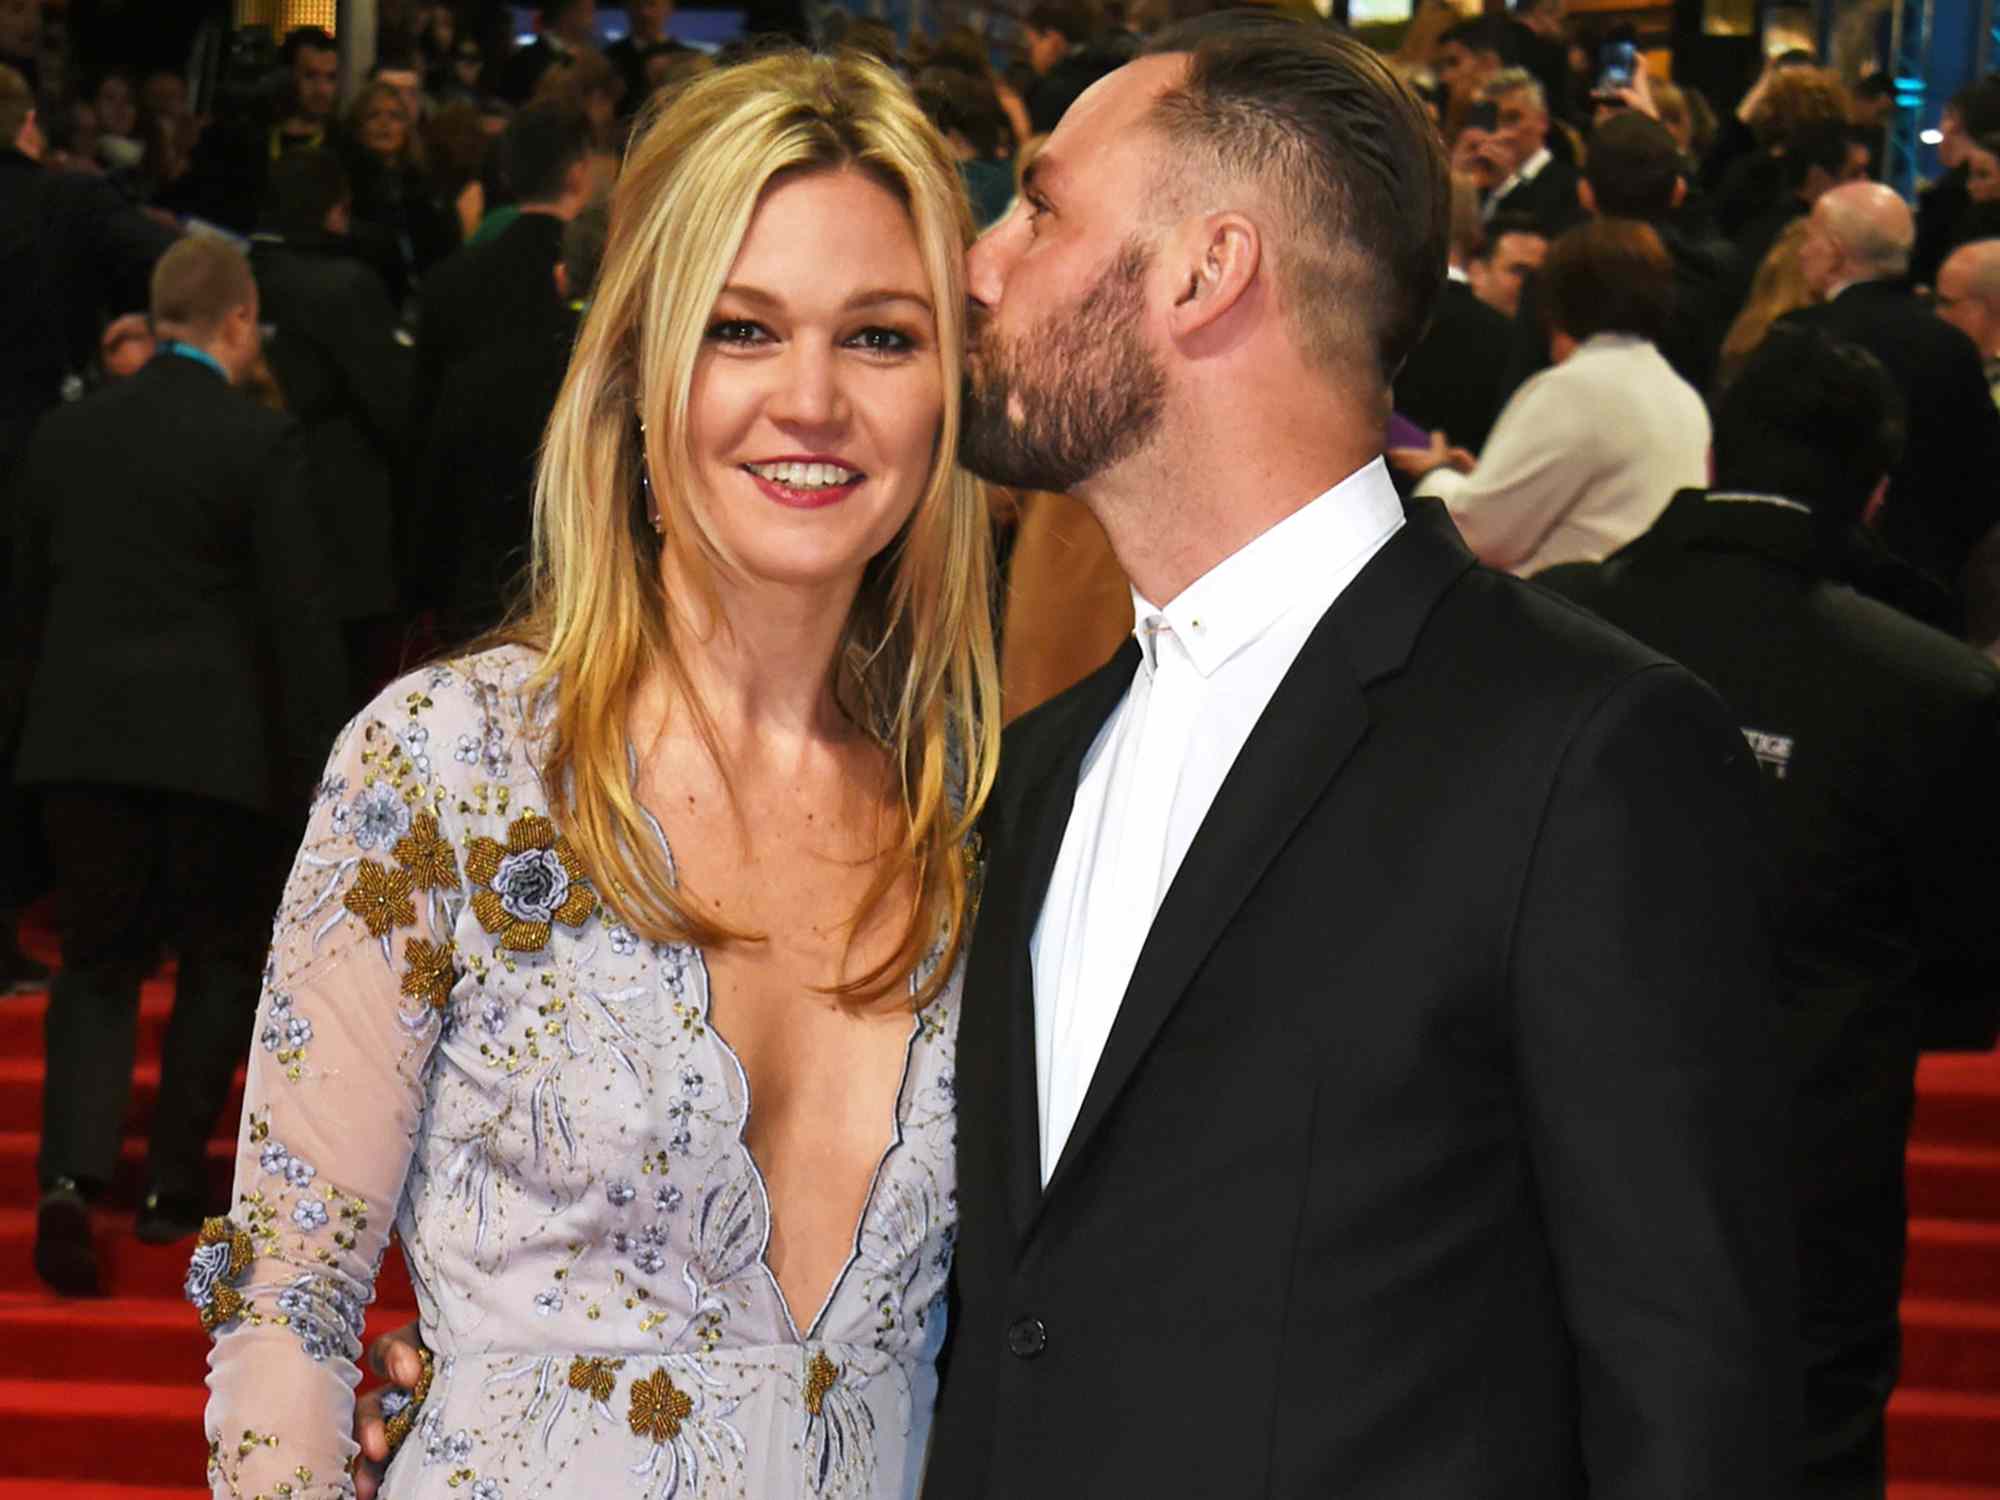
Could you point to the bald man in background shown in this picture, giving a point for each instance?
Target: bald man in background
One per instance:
(1942, 497)
(1968, 298)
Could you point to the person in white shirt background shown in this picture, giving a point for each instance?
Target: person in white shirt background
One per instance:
(1586, 455)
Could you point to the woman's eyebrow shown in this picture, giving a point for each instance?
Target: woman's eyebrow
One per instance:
(873, 297)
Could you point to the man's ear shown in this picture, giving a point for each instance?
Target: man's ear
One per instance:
(1588, 199)
(1214, 261)
(1680, 191)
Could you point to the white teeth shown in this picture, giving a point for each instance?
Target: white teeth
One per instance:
(797, 476)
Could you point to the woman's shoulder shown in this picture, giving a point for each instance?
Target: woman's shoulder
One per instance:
(468, 715)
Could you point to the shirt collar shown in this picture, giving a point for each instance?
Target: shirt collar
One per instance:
(199, 356)
(1528, 171)
(1457, 273)
(1306, 557)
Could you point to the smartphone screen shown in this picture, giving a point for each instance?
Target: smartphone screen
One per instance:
(1616, 64)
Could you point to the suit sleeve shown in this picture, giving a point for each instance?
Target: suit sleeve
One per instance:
(1646, 1008)
(378, 367)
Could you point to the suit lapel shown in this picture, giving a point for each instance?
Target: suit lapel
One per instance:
(1299, 744)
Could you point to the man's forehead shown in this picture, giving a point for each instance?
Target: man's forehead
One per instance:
(1109, 112)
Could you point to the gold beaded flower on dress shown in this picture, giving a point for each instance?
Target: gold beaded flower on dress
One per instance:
(431, 972)
(222, 1255)
(658, 1408)
(528, 884)
(381, 898)
(821, 1373)
(425, 854)
(595, 1376)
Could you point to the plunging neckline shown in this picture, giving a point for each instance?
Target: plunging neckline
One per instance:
(749, 1156)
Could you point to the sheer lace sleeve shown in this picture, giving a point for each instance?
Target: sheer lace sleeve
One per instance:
(361, 969)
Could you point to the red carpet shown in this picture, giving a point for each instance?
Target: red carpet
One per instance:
(102, 1400)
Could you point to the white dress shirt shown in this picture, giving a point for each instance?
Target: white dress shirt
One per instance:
(1210, 662)
(1582, 459)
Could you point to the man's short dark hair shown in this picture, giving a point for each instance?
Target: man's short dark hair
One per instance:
(583, 242)
(1480, 34)
(1823, 144)
(1075, 19)
(1631, 164)
(306, 39)
(306, 186)
(1978, 105)
(965, 104)
(1609, 276)
(1502, 225)
(1811, 418)
(1344, 145)
(544, 141)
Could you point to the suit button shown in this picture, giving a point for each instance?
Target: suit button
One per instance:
(1027, 1338)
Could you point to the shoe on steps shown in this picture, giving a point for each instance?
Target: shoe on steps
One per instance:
(65, 1256)
(166, 1217)
(20, 974)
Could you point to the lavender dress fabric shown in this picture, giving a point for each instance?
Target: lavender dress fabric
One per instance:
(456, 1039)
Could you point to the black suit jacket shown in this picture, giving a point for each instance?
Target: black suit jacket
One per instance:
(170, 572)
(1549, 198)
(474, 508)
(1942, 498)
(480, 293)
(1433, 1152)
(345, 374)
(1451, 380)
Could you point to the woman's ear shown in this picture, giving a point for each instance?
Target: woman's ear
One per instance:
(1215, 260)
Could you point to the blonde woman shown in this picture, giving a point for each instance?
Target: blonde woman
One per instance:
(619, 970)
(1779, 287)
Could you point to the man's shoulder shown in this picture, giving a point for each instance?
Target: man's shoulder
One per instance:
(1917, 661)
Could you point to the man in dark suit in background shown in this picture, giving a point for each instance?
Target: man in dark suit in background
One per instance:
(1364, 1075)
(344, 367)
(1535, 184)
(1879, 739)
(1942, 496)
(1451, 381)
(507, 282)
(473, 512)
(173, 601)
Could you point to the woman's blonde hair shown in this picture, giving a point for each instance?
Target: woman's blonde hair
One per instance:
(915, 669)
(412, 152)
(1778, 288)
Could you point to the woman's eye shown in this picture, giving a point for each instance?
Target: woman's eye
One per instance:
(736, 331)
(884, 341)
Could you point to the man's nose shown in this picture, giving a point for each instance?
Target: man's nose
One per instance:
(987, 261)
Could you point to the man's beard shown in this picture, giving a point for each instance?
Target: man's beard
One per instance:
(1089, 391)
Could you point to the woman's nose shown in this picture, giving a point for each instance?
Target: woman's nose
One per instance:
(810, 391)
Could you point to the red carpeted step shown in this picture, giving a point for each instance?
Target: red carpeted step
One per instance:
(1951, 1346)
(20, 1184)
(84, 1489)
(131, 1269)
(1946, 1436)
(144, 1339)
(21, 1097)
(116, 1431)
(1953, 1259)
(1958, 1100)
(1955, 1182)
(1897, 1491)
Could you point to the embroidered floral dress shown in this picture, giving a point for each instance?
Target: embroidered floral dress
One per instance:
(455, 1038)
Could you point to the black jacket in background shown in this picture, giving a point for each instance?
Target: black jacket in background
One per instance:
(1945, 494)
(1878, 739)
(73, 252)
(1549, 198)
(1451, 381)
(1940, 207)
(1432, 1154)
(1706, 281)
(345, 372)
(479, 294)
(473, 507)
(172, 580)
